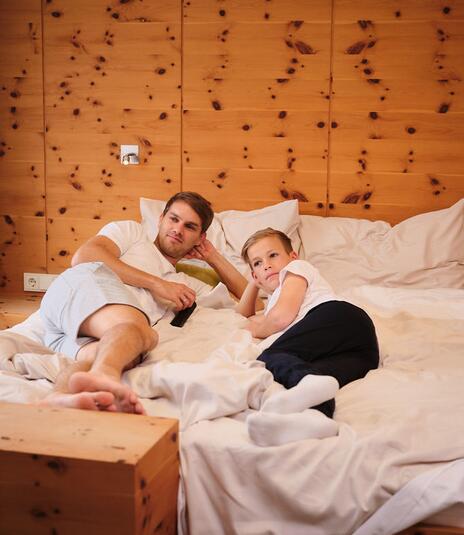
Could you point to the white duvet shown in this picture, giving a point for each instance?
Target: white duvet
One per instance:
(398, 423)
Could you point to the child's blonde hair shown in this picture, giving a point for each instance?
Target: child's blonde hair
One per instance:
(266, 233)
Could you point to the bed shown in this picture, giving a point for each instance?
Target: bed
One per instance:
(399, 455)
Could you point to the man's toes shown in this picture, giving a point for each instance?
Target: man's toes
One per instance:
(103, 399)
(139, 409)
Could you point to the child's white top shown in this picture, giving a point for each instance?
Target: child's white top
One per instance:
(317, 292)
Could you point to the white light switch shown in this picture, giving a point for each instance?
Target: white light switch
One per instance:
(129, 154)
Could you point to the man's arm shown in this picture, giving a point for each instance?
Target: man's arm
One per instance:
(284, 311)
(229, 275)
(236, 283)
(102, 249)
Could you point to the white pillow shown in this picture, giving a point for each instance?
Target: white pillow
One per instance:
(151, 209)
(327, 234)
(424, 251)
(239, 225)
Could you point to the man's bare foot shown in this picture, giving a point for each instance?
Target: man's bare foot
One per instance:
(91, 401)
(125, 399)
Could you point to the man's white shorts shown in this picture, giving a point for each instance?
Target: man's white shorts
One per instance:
(74, 296)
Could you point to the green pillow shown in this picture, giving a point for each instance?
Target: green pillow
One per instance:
(206, 275)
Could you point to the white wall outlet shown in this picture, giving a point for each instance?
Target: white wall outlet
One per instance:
(129, 154)
(37, 282)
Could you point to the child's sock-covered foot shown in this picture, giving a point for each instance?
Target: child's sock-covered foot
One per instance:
(309, 392)
(269, 429)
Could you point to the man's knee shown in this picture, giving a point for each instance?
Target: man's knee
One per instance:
(109, 316)
(150, 338)
(147, 336)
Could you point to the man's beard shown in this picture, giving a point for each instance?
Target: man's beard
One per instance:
(173, 249)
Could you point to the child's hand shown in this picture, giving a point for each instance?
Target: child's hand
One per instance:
(259, 286)
(254, 324)
(253, 284)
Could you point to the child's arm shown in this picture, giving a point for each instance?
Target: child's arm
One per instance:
(247, 304)
(285, 310)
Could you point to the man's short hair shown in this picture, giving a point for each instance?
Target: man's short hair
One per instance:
(266, 233)
(198, 203)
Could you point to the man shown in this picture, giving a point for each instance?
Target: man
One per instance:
(101, 310)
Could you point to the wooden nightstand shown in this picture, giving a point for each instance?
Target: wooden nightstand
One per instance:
(15, 308)
(84, 472)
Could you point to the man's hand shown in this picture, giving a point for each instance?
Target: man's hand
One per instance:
(229, 275)
(181, 295)
(205, 250)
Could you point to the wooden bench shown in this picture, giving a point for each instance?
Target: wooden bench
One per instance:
(84, 472)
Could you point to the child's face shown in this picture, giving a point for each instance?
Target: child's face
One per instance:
(267, 257)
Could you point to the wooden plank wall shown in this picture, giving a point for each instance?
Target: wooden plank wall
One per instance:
(256, 107)
(398, 104)
(22, 170)
(354, 108)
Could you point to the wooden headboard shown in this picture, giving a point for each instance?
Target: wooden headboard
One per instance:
(353, 108)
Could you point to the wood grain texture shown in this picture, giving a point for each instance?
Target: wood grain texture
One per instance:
(412, 50)
(22, 171)
(256, 102)
(397, 104)
(389, 11)
(197, 11)
(66, 234)
(112, 482)
(16, 308)
(22, 249)
(258, 188)
(289, 98)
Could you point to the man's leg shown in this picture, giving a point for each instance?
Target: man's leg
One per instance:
(123, 334)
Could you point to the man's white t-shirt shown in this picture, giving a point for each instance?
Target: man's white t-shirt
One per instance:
(139, 251)
(317, 292)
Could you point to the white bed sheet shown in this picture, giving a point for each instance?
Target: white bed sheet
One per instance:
(434, 490)
(397, 424)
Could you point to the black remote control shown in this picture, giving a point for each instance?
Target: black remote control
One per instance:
(183, 315)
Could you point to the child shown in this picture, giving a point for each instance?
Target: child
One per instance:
(311, 335)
